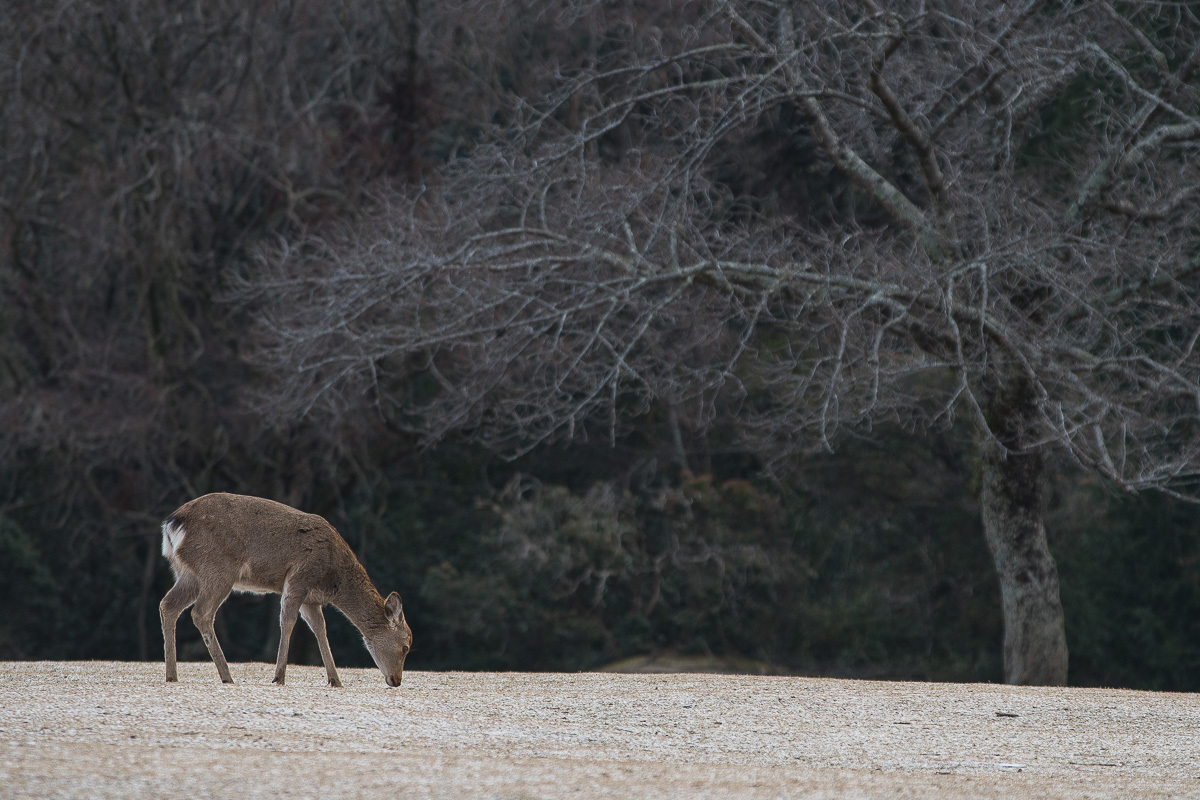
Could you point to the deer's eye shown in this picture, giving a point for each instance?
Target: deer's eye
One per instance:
(404, 649)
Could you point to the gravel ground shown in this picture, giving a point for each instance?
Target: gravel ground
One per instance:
(105, 729)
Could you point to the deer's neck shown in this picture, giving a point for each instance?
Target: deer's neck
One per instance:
(358, 599)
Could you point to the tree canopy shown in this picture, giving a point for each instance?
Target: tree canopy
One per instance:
(614, 245)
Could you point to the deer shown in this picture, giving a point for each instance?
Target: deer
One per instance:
(221, 543)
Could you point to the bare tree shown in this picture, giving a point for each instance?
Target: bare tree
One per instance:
(1004, 227)
(144, 146)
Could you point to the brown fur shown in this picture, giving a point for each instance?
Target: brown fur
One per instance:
(221, 542)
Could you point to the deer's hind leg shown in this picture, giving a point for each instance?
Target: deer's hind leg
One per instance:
(204, 614)
(316, 621)
(180, 596)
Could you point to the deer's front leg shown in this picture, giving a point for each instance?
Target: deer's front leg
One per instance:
(289, 608)
(312, 614)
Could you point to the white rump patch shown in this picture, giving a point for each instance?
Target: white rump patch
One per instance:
(173, 534)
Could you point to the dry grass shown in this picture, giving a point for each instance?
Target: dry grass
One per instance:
(103, 729)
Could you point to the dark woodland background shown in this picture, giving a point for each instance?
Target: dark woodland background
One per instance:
(150, 151)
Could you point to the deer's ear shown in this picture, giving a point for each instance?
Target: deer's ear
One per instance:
(395, 609)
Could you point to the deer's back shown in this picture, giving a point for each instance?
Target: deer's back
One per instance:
(253, 542)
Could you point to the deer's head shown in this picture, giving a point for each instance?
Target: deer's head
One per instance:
(390, 643)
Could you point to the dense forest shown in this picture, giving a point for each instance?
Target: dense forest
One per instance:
(825, 338)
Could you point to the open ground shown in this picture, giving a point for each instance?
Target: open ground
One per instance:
(105, 729)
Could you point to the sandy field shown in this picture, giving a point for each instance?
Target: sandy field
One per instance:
(104, 729)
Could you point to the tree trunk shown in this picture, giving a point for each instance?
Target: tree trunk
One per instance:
(1035, 640)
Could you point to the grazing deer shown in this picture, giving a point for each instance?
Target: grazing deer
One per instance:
(220, 543)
